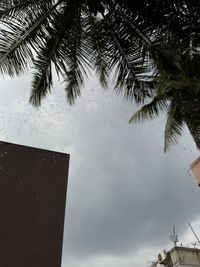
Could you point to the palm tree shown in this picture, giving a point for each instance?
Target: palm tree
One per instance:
(74, 36)
(133, 38)
(178, 93)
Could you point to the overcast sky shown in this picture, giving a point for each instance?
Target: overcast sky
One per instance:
(124, 194)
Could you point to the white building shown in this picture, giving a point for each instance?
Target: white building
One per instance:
(178, 257)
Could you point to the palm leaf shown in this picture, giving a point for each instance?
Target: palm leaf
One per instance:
(122, 38)
(18, 39)
(174, 126)
(127, 60)
(96, 39)
(77, 61)
(10, 10)
(150, 110)
(42, 80)
(52, 52)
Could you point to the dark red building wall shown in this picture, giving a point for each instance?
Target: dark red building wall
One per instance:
(33, 186)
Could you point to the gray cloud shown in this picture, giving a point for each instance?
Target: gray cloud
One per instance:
(124, 193)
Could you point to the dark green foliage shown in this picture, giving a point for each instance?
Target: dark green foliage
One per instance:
(178, 93)
(152, 45)
(74, 35)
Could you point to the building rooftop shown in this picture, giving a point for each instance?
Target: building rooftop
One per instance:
(178, 256)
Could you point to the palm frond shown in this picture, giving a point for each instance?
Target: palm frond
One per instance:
(126, 57)
(77, 61)
(132, 23)
(174, 126)
(18, 39)
(96, 39)
(108, 35)
(150, 110)
(54, 51)
(10, 10)
(42, 80)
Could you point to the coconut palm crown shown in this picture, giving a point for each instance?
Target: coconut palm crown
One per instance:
(143, 42)
(178, 93)
(74, 36)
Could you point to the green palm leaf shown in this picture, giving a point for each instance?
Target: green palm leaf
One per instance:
(18, 39)
(109, 35)
(54, 51)
(97, 40)
(174, 126)
(78, 61)
(150, 110)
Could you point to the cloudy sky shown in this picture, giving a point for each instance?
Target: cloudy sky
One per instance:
(124, 194)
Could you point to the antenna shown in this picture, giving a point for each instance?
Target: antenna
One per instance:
(174, 237)
(194, 233)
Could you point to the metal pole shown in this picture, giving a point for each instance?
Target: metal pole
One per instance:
(194, 233)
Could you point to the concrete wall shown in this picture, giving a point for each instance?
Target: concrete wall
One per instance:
(184, 257)
(179, 257)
